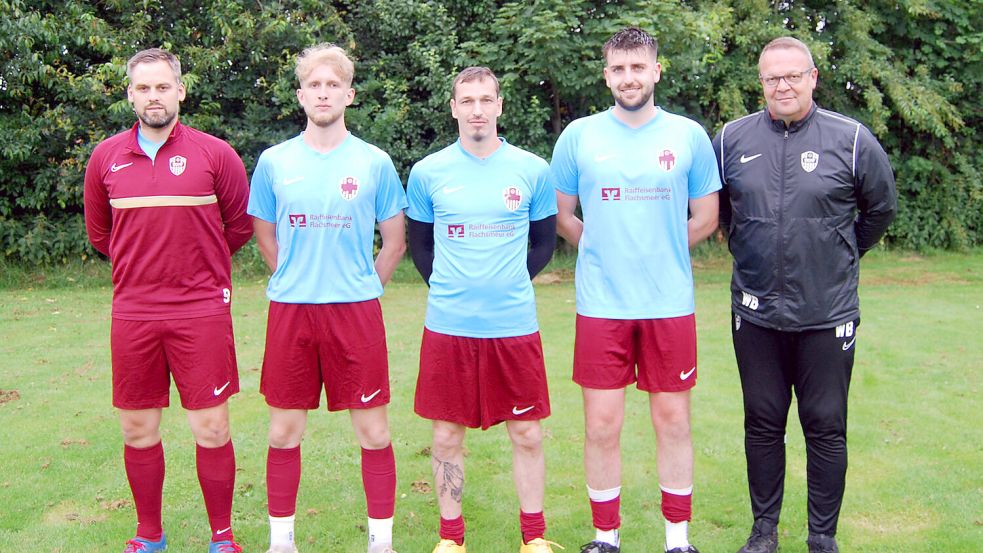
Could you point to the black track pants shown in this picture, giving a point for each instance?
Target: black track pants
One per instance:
(816, 365)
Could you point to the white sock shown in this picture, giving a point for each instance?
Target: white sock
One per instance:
(608, 536)
(281, 530)
(677, 534)
(380, 530)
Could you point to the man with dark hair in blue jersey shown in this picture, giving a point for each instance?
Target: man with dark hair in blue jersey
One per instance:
(482, 224)
(637, 171)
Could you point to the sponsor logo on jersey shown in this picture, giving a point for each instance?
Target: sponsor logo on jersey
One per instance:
(349, 188)
(298, 220)
(745, 159)
(115, 167)
(450, 190)
(809, 160)
(177, 164)
(319, 221)
(288, 182)
(667, 160)
(513, 198)
(455, 231)
(610, 193)
(601, 158)
(749, 301)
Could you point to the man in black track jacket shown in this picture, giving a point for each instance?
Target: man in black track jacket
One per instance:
(806, 192)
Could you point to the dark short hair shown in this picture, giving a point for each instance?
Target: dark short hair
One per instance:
(629, 39)
(152, 55)
(474, 73)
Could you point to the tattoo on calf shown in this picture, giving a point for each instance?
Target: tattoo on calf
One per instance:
(452, 476)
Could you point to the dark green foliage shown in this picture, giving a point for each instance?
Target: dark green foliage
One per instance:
(911, 70)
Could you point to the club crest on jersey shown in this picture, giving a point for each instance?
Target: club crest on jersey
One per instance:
(667, 160)
(513, 198)
(349, 188)
(177, 164)
(810, 160)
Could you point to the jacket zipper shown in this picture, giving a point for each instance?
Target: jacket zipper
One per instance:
(781, 235)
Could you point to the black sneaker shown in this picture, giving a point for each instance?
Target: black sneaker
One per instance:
(687, 549)
(763, 538)
(599, 547)
(821, 543)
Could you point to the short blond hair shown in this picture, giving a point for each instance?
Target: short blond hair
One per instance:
(154, 55)
(328, 54)
(787, 42)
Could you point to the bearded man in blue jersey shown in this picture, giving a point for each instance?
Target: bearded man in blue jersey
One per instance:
(482, 224)
(647, 184)
(316, 200)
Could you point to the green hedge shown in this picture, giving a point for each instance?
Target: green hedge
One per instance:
(911, 70)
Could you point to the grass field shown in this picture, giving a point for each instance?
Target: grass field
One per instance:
(915, 482)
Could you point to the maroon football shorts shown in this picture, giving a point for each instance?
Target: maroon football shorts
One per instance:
(607, 352)
(338, 346)
(480, 382)
(199, 353)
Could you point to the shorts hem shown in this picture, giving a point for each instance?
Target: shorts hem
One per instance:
(141, 406)
(208, 404)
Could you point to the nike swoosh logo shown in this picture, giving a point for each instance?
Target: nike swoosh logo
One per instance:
(745, 159)
(683, 375)
(517, 411)
(848, 345)
(287, 182)
(601, 158)
(449, 190)
(224, 530)
(368, 398)
(218, 391)
(115, 167)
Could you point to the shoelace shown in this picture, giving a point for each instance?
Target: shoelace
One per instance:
(600, 547)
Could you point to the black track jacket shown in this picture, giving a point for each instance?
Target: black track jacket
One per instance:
(801, 204)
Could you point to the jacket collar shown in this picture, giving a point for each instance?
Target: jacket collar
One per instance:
(779, 126)
(133, 143)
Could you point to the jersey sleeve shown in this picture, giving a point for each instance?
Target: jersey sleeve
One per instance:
(420, 205)
(543, 197)
(390, 198)
(98, 213)
(877, 196)
(232, 190)
(262, 201)
(564, 173)
(704, 177)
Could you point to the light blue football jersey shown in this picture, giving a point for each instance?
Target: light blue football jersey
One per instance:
(634, 187)
(480, 209)
(325, 207)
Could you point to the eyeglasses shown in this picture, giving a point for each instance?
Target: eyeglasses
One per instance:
(792, 78)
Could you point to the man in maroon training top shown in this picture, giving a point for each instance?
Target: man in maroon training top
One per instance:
(167, 204)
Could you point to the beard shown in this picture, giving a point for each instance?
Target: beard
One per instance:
(644, 97)
(157, 120)
(324, 119)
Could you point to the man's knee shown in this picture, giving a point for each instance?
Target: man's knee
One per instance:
(527, 435)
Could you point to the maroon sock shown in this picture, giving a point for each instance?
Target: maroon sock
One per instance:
(217, 477)
(379, 481)
(145, 471)
(282, 480)
(677, 508)
(452, 529)
(606, 514)
(532, 526)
